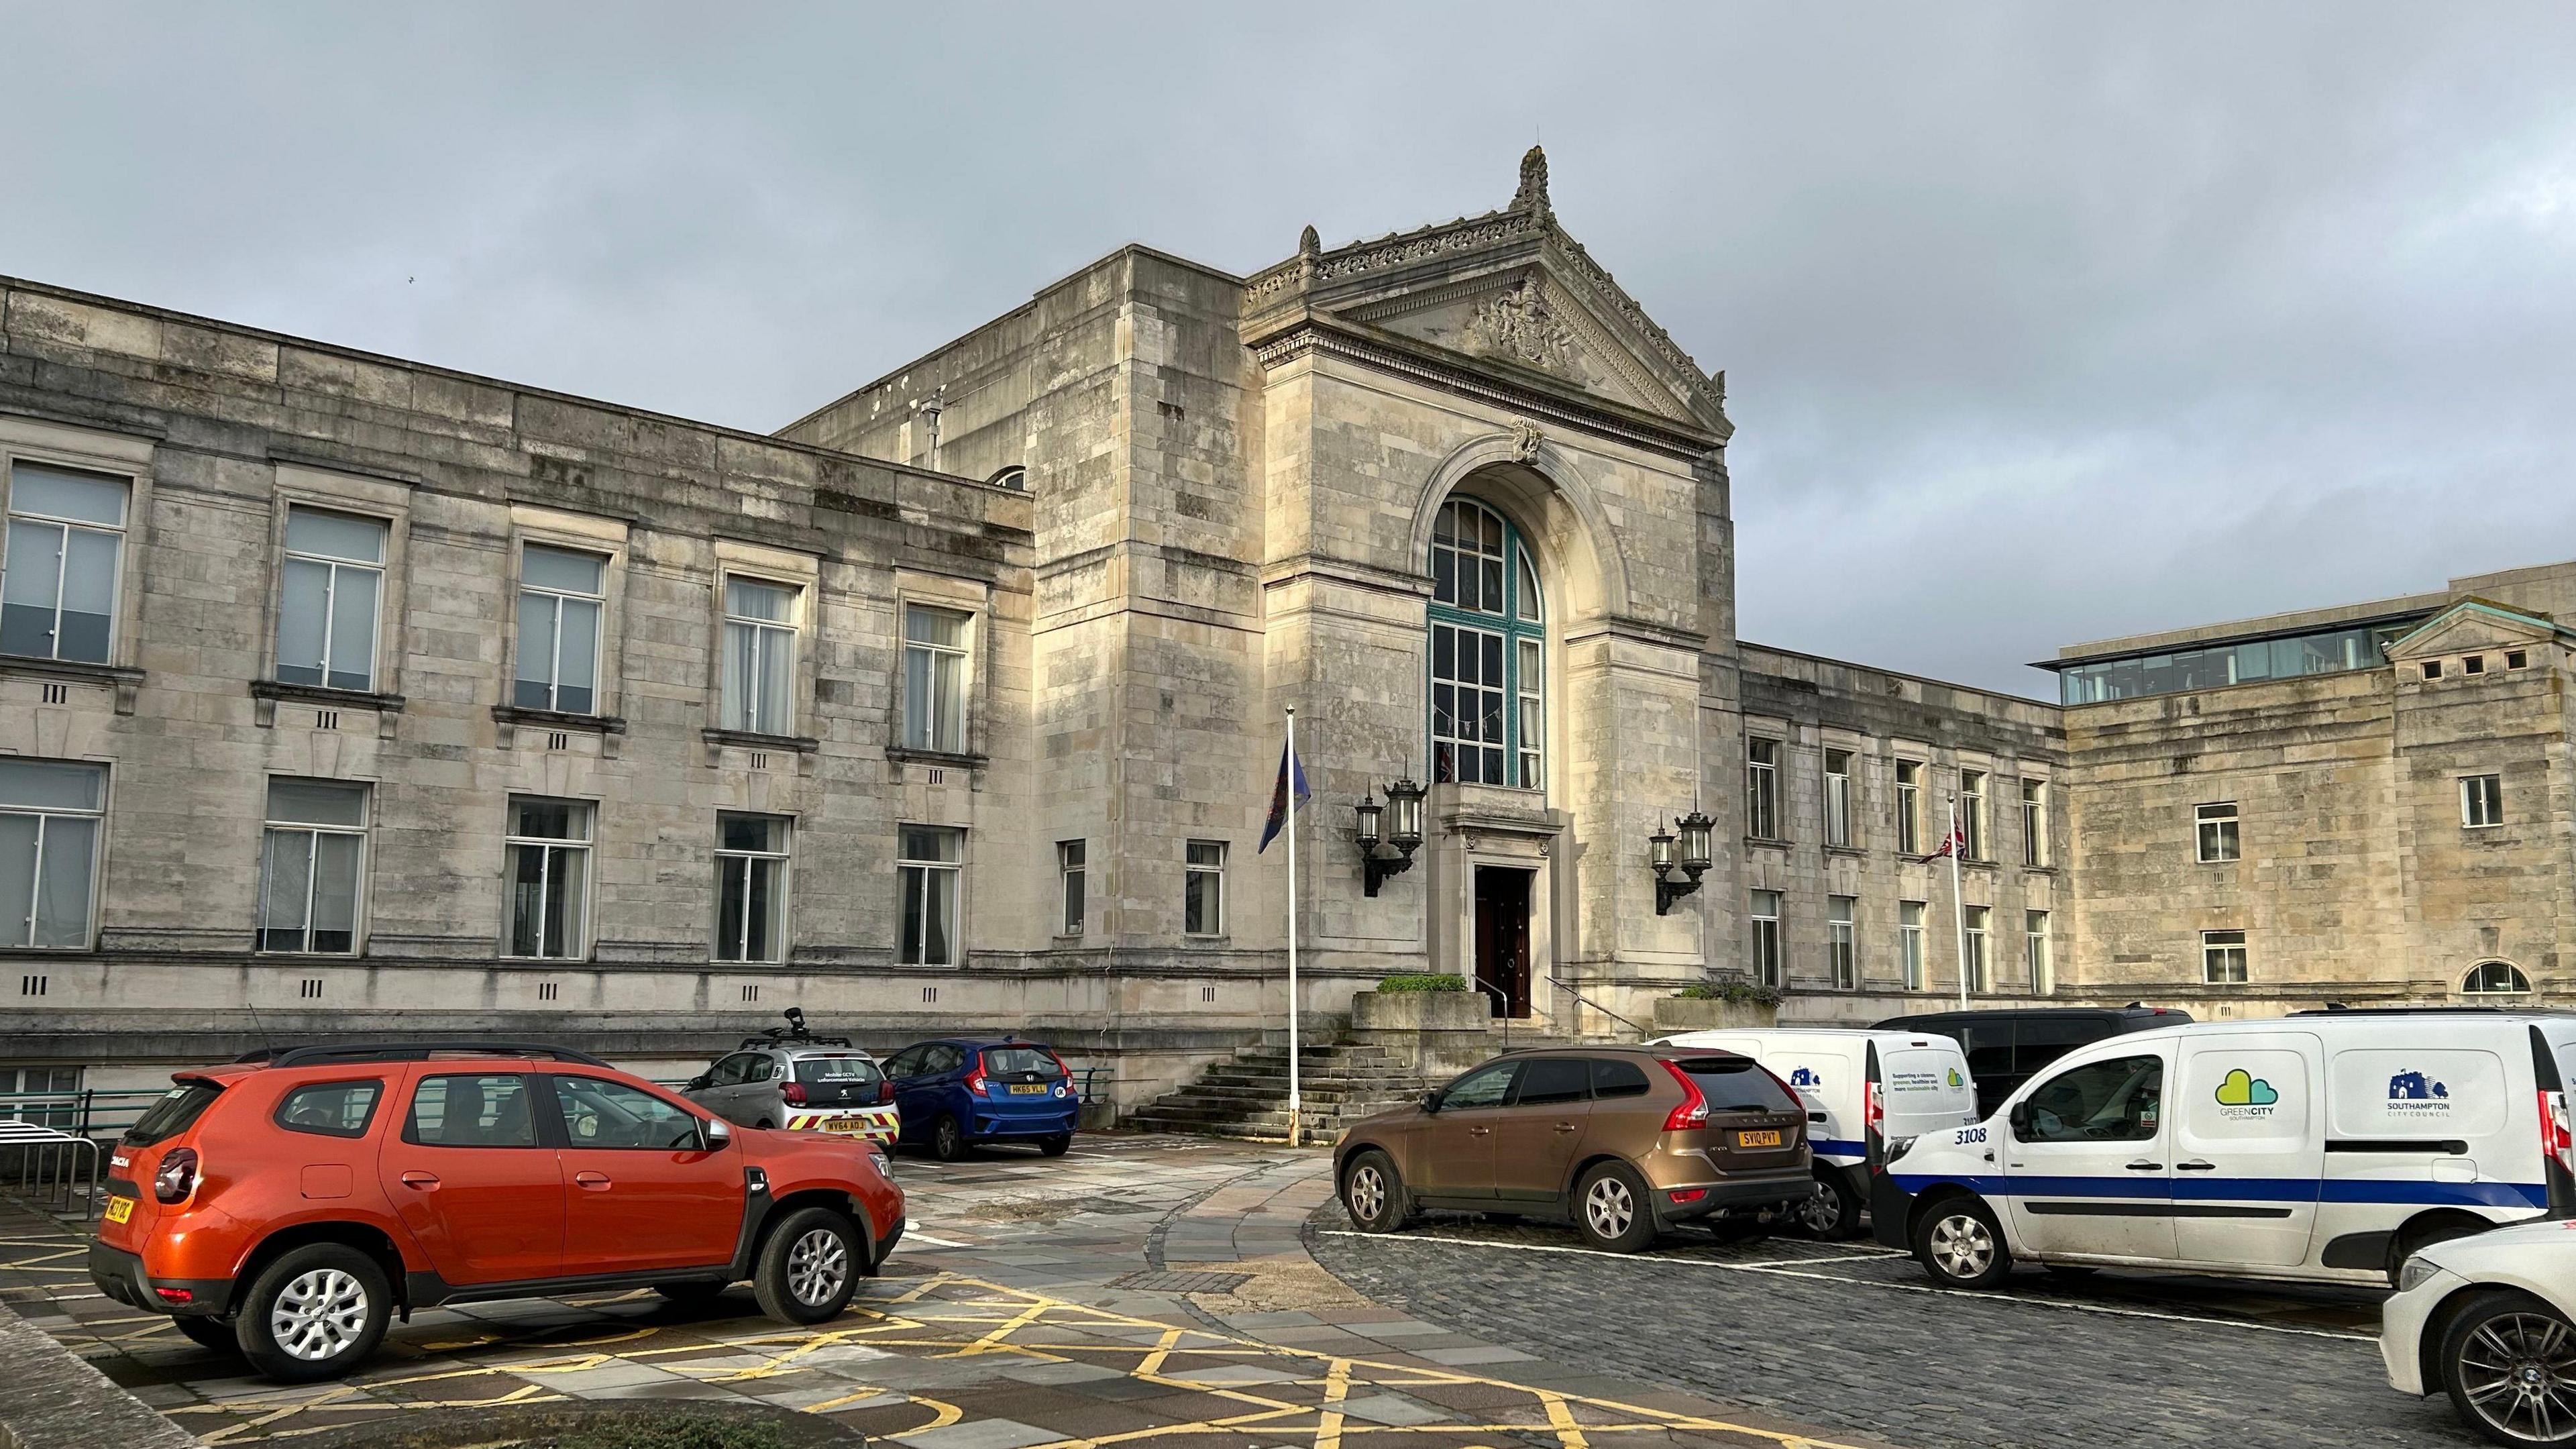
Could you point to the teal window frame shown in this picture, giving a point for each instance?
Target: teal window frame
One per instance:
(1518, 561)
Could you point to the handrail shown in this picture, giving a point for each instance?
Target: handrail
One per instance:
(1641, 1032)
(1505, 1002)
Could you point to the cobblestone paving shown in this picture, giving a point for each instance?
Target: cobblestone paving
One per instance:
(1001, 1323)
(1854, 1338)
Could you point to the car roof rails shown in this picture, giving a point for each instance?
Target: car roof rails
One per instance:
(417, 1051)
(794, 1033)
(2337, 1008)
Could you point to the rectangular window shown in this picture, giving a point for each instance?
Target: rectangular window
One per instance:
(934, 679)
(1979, 965)
(1203, 889)
(1842, 947)
(333, 578)
(59, 572)
(1466, 704)
(2481, 801)
(1972, 815)
(2432, 669)
(759, 657)
(1765, 937)
(2474, 664)
(1909, 807)
(751, 887)
(926, 887)
(2043, 972)
(2034, 823)
(2222, 957)
(1069, 869)
(314, 854)
(2517, 659)
(2217, 827)
(46, 1096)
(560, 596)
(1838, 798)
(1909, 942)
(1762, 789)
(549, 865)
(1533, 699)
(50, 817)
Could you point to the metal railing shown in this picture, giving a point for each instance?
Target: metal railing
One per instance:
(82, 1112)
(1643, 1033)
(1505, 1015)
(53, 1170)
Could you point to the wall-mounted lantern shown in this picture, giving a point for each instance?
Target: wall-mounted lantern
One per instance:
(1695, 859)
(1391, 853)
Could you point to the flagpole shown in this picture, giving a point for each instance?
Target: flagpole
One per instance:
(1958, 903)
(1294, 1101)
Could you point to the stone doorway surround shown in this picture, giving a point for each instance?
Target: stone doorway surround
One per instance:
(1473, 826)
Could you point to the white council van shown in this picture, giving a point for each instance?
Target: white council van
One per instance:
(1862, 1089)
(2328, 1145)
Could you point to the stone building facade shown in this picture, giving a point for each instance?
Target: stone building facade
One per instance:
(340, 693)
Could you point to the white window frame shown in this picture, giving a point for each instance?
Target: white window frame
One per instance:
(1214, 871)
(2216, 950)
(122, 534)
(363, 831)
(2217, 832)
(766, 635)
(1909, 807)
(2034, 823)
(383, 571)
(1764, 938)
(2469, 984)
(1532, 684)
(23, 936)
(1972, 815)
(554, 657)
(555, 851)
(1910, 944)
(782, 857)
(1072, 870)
(2039, 953)
(948, 875)
(1762, 787)
(1838, 799)
(2482, 801)
(51, 1104)
(1842, 941)
(1977, 926)
(935, 711)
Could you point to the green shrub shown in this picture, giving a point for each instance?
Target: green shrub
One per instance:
(1738, 991)
(1422, 983)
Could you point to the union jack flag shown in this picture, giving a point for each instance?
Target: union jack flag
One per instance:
(1955, 843)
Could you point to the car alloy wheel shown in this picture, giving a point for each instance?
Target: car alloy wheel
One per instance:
(2517, 1372)
(319, 1315)
(1963, 1247)
(817, 1267)
(1609, 1207)
(1822, 1214)
(1366, 1195)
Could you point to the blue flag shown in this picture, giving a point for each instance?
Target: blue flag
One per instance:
(1292, 780)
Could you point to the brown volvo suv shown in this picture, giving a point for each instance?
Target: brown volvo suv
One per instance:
(1622, 1141)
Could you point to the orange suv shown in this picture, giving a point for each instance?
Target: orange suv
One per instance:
(292, 1206)
(1621, 1141)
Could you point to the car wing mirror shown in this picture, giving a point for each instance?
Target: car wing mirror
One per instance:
(698, 1083)
(1431, 1100)
(2020, 1119)
(713, 1133)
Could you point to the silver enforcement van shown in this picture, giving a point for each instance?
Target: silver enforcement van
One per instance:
(1861, 1088)
(2327, 1145)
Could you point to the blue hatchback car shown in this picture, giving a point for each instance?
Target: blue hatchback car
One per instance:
(956, 1093)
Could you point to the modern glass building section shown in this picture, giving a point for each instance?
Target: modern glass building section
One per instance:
(2250, 661)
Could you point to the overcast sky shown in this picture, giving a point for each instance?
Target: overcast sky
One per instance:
(2041, 324)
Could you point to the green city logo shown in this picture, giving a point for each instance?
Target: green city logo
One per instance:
(2244, 1089)
(1955, 1079)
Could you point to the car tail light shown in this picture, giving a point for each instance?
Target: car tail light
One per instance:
(2555, 1140)
(177, 1176)
(1693, 1111)
(885, 1092)
(1687, 1194)
(794, 1092)
(1873, 1110)
(176, 1295)
(975, 1081)
(1061, 1069)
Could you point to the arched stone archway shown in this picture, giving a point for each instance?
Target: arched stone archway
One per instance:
(1546, 494)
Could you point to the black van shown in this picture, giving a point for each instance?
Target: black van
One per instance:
(2007, 1047)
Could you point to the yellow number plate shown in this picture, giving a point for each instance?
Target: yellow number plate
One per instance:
(119, 1209)
(1027, 1089)
(1757, 1139)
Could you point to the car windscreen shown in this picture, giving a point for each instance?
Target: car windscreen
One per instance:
(1733, 1084)
(178, 1110)
(1004, 1061)
(837, 1071)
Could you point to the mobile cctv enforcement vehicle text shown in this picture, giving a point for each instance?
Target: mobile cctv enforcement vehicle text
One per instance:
(787, 1077)
(2320, 1146)
(1861, 1089)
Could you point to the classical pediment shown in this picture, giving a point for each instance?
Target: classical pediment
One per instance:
(1508, 291)
(2470, 625)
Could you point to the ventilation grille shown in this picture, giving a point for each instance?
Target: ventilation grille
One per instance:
(750, 992)
(759, 760)
(32, 985)
(311, 990)
(558, 740)
(57, 693)
(1207, 993)
(549, 990)
(938, 776)
(326, 719)
(929, 994)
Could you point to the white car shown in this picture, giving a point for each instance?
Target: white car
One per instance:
(2487, 1320)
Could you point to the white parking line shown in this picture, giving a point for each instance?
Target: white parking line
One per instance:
(913, 1236)
(1778, 1270)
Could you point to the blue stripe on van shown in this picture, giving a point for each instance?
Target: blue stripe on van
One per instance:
(2252, 1189)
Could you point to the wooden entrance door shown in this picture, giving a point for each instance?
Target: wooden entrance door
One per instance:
(1503, 939)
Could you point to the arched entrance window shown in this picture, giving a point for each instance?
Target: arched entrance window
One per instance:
(1488, 652)
(2496, 978)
